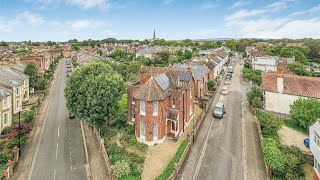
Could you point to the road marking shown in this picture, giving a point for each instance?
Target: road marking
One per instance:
(57, 151)
(59, 131)
(44, 123)
(202, 151)
(54, 175)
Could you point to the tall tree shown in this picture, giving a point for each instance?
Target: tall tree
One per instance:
(93, 92)
(32, 71)
(305, 112)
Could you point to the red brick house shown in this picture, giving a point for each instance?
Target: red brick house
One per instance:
(161, 104)
(55, 53)
(69, 53)
(42, 61)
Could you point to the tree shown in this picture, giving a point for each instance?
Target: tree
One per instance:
(300, 57)
(298, 69)
(32, 71)
(255, 91)
(273, 156)
(93, 91)
(212, 85)
(304, 112)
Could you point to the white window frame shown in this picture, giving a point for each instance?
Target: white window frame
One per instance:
(155, 131)
(17, 104)
(191, 109)
(155, 108)
(133, 114)
(133, 101)
(143, 130)
(143, 108)
(6, 119)
(5, 102)
(173, 102)
(17, 91)
(317, 140)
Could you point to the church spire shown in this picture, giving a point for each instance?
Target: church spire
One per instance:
(154, 34)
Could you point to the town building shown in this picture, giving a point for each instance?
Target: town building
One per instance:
(281, 90)
(5, 108)
(151, 52)
(314, 144)
(161, 104)
(42, 61)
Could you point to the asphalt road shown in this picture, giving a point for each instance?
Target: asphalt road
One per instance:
(218, 149)
(61, 152)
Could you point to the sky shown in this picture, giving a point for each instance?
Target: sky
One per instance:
(61, 20)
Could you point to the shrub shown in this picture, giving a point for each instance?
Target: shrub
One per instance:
(29, 116)
(256, 102)
(212, 85)
(255, 91)
(176, 158)
(268, 120)
(34, 106)
(273, 156)
(270, 133)
(304, 112)
(121, 168)
(6, 130)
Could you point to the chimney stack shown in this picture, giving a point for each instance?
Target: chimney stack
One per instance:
(279, 80)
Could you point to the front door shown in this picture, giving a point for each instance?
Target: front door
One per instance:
(142, 130)
(155, 131)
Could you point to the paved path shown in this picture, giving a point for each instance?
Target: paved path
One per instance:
(96, 161)
(217, 151)
(60, 154)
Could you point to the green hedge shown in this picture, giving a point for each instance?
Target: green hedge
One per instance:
(291, 124)
(176, 158)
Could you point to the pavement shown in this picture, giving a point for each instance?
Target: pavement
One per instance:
(220, 149)
(97, 164)
(57, 150)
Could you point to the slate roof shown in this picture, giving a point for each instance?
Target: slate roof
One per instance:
(14, 74)
(210, 65)
(4, 92)
(19, 67)
(198, 70)
(162, 82)
(155, 49)
(150, 91)
(216, 59)
(292, 84)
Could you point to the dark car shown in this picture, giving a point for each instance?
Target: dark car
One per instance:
(68, 65)
(229, 74)
(71, 116)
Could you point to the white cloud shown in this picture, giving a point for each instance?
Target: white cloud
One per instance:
(314, 9)
(245, 14)
(204, 33)
(87, 4)
(33, 19)
(279, 5)
(240, 3)
(208, 5)
(83, 24)
(166, 2)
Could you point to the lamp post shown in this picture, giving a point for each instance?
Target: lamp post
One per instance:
(19, 131)
(194, 113)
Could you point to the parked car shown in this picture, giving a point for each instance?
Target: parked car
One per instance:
(229, 74)
(71, 116)
(306, 142)
(224, 90)
(227, 82)
(68, 65)
(219, 110)
(230, 69)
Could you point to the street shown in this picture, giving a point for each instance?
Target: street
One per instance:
(219, 148)
(60, 154)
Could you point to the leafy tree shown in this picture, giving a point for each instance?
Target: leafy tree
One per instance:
(300, 57)
(305, 112)
(93, 92)
(269, 121)
(32, 71)
(2, 43)
(212, 85)
(255, 91)
(298, 69)
(163, 57)
(257, 102)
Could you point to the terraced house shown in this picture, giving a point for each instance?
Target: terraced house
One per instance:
(161, 104)
(16, 86)
(5, 108)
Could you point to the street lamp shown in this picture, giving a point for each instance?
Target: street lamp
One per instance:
(194, 113)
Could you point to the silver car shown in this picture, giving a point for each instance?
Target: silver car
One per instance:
(227, 82)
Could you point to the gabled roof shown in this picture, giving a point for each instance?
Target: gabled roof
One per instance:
(292, 84)
(198, 70)
(4, 92)
(150, 91)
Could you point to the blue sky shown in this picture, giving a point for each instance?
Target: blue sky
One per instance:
(61, 20)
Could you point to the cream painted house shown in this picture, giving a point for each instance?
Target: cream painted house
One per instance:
(314, 133)
(5, 108)
(281, 90)
(16, 88)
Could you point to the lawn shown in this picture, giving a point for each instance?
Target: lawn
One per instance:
(123, 103)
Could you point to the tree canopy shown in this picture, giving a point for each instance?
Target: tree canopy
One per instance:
(93, 92)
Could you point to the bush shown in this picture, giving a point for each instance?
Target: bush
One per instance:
(6, 130)
(254, 92)
(273, 156)
(121, 168)
(29, 116)
(304, 112)
(176, 158)
(256, 102)
(270, 133)
(34, 106)
(268, 120)
(212, 85)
